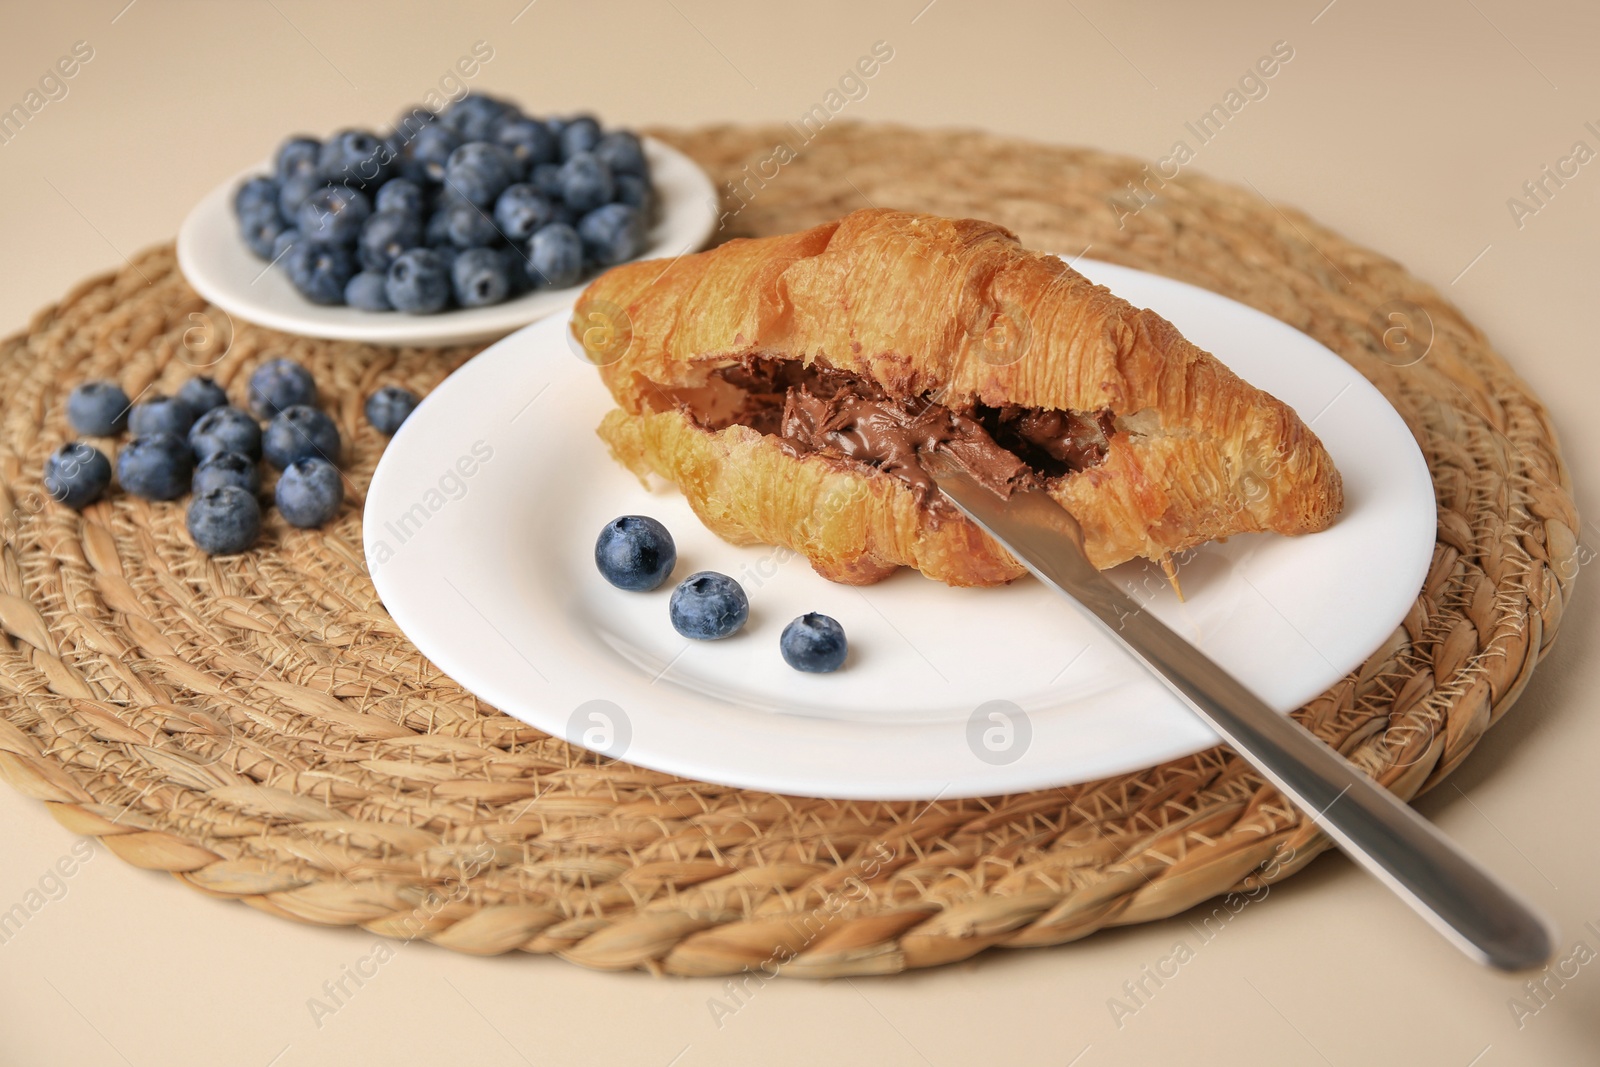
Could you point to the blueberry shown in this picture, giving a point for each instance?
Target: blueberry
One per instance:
(298, 433)
(612, 234)
(479, 171)
(555, 256)
(431, 148)
(320, 271)
(309, 493)
(579, 135)
(333, 215)
(225, 429)
(469, 226)
(585, 183)
(354, 158)
(622, 152)
(297, 155)
(227, 468)
(254, 195)
(224, 520)
(401, 195)
(636, 192)
(384, 236)
(546, 178)
(474, 116)
(156, 467)
(636, 553)
(813, 643)
(202, 394)
(389, 407)
(261, 233)
(278, 384)
(292, 194)
(161, 414)
(419, 282)
(529, 141)
(77, 475)
(707, 606)
(283, 243)
(479, 278)
(368, 291)
(520, 211)
(98, 408)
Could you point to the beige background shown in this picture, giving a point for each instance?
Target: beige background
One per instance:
(1406, 130)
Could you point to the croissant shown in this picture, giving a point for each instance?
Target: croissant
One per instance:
(788, 386)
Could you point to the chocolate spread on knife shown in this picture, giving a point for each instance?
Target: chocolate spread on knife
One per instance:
(821, 410)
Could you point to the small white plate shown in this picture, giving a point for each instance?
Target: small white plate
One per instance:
(480, 526)
(216, 262)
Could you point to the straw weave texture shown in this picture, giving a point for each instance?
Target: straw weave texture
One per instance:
(259, 727)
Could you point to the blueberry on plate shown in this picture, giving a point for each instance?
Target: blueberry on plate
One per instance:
(708, 606)
(622, 152)
(296, 156)
(419, 282)
(580, 134)
(400, 194)
(385, 235)
(611, 234)
(814, 643)
(389, 406)
(309, 493)
(297, 433)
(283, 244)
(521, 211)
(293, 194)
(529, 142)
(255, 195)
(368, 291)
(320, 271)
(474, 116)
(636, 192)
(161, 414)
(480, 278)
(280, 383)
(354, 158)
(555, 256)
(225, 429)
(585, 183)
(546, 178)
(77, 475)
(98, 408)
(201, 395)
(635, 552)
(224, 520)
(261, 233)
(333, 215)
(226, 468)
(469, 226)
(156, 467)
(431, 148)
(479, 171)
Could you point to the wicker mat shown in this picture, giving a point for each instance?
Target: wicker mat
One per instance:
(259, 727)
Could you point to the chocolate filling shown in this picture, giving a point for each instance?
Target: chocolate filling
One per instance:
(815, 409)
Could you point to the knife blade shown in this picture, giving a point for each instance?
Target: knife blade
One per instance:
(1459, 898)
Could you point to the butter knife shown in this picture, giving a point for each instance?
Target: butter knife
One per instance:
(1461, 900)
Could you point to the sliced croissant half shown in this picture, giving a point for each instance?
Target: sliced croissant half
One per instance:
(788, 386)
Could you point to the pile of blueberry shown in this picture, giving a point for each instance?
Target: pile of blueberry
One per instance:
(464, 208)
(637, 553)
(198, 443)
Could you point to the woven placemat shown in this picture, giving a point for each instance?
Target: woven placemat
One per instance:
(259, 727)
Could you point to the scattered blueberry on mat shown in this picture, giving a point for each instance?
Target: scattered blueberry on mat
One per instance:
(98, 408)
(390, 406)
(160, 414)
(813, 643)
(224, 520)
(225, 429)
(300, 432)
(202, 395)
(708, 606)
(226, 469)
(77, 474)
(636, 552)
(278, 384)
(309, 493)
(156, 466)
(480, 174)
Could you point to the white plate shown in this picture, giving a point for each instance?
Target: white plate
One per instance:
(222, 269)
(491, 573)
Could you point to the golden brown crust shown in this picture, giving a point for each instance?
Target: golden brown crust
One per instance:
(958, 311)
